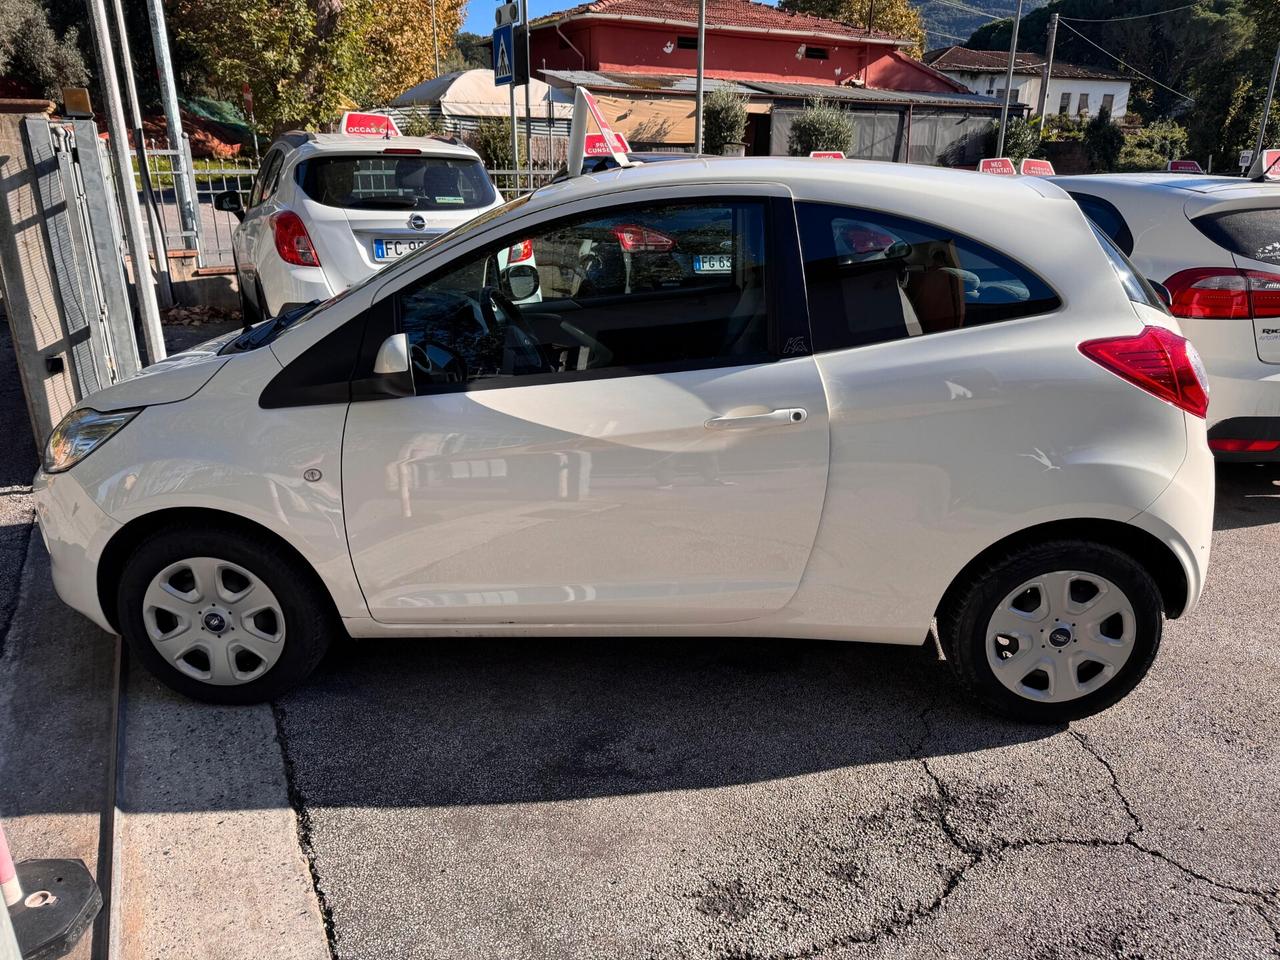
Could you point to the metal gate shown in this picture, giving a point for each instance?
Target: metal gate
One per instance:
(62, 265)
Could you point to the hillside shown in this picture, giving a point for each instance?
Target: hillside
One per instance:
(947, 22)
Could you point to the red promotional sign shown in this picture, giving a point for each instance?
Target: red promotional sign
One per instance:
(597, 146)
(1000, 166)
(1184, 166)
(828, 154)
(1035, 168)
(1271, 164)
(368, 125)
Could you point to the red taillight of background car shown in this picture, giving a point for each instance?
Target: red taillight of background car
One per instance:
(520, 252)
(293, 243)
(1224, 293)
(1235, 445)
(1160, 362)
(634, 239)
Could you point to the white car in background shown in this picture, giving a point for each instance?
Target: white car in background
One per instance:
(1214, 243)
(756, 397)
(327, 210)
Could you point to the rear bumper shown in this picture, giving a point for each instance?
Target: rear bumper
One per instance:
(1182, 516)
(1259, 431)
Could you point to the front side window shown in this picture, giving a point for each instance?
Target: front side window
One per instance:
(873, 277)
(396, 182)
(642, 289)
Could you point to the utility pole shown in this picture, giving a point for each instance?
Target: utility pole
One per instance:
(158, 246)
(702, 62)
(435, 37)
(871, 16)
(528, 82)
(130, 214)
(188, 210)
(1048, 66)
(1009, 81)
(1266, 110)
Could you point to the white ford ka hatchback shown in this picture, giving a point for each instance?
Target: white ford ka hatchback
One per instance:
(775, 397)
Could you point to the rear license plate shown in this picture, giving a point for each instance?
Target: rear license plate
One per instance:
(395, 249)
(713, 263)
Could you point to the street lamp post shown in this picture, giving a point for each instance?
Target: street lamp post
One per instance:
(1008, 81)
(702, 60)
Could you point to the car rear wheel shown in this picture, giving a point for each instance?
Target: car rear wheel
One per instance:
(1053, 632)
(222, 616)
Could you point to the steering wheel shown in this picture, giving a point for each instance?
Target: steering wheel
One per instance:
(511, 322)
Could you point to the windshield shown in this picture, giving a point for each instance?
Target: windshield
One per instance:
(389, 182)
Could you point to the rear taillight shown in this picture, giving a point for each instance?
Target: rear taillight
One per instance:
(1224, 293)
(1234, 445)
(520, 252)
(293, 243)
(634, 239)
(1160, 362)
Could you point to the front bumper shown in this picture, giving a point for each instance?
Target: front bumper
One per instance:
(75, 532)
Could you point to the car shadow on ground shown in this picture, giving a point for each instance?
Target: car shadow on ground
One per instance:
(448, 722)
(1248, 495)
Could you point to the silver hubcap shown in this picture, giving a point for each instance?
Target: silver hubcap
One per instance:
(214, 621)
(1061, 636)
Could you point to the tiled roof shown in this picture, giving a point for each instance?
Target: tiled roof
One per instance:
(721, 14)
(681, 84)
(964, 60)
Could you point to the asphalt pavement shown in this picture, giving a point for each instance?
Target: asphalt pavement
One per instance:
(745, 799)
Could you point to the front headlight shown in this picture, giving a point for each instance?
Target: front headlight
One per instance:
(79, 434)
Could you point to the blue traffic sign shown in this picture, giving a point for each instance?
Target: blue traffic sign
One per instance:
(504, 58)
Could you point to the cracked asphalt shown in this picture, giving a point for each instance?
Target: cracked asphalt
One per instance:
(744, 799)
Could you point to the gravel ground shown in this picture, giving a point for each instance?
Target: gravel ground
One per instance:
(17, 467)
(746, 799)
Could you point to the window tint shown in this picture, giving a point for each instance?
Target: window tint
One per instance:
(1254, 234)
(873, 277)
(1134, 283)
(1108, 218)
(396, 182)
(270, 166)
(639, 290)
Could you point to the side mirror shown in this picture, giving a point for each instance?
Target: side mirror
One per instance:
(520, 282)
(228, 201)
(393, 355)
(1162, 292)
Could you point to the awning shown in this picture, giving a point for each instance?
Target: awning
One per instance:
(472, 93)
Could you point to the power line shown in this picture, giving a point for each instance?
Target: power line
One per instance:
(1140, 16)
(974, 10)
(1127, 66)
(949, 36)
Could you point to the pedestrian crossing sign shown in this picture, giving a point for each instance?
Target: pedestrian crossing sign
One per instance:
(504, 60)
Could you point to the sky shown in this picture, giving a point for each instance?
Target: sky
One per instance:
(480, 12)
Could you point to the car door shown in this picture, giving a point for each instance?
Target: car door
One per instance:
(646, 444)
(255, 230)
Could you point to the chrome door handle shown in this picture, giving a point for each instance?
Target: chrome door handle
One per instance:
(771, 419)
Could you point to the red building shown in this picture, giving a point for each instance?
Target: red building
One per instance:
(745, 41)
(639, 58)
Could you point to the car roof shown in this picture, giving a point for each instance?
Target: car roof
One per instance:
(1162, 180)
(309, 144)
(869, 176)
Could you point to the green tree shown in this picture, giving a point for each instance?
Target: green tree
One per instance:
(32, 53)
(724, 119)
(899, 18)
(1152, 147)
(820, 126)
(1021, 141)
(1103, 141)
(492, 140)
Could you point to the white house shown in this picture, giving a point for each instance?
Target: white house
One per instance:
(1073, 90)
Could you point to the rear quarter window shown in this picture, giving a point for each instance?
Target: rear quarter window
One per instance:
(1253, 234)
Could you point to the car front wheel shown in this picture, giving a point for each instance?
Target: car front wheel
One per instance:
(223, 616)
(1053, 632)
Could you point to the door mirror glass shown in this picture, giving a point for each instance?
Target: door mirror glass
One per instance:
(393, 355)
(228, 201)
(520, 282)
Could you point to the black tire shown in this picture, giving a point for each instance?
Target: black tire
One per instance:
(963, 622)
(310, 622)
